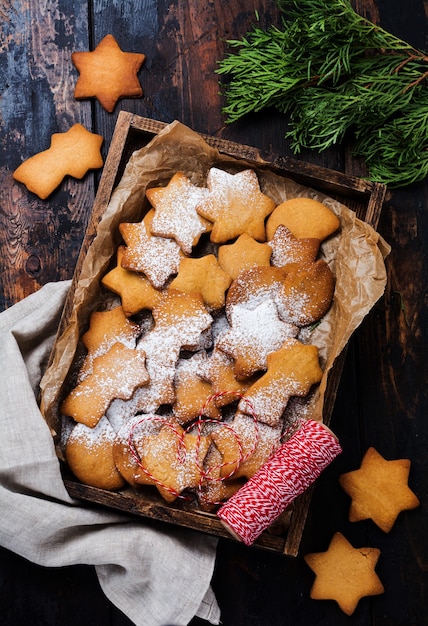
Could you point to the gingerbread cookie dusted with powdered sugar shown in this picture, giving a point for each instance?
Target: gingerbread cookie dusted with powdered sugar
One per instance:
(175, 211)
(235, 205)
(158, 258)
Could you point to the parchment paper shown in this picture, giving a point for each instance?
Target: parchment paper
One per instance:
(355, 253)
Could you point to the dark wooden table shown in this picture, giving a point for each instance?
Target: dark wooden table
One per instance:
(382, 398)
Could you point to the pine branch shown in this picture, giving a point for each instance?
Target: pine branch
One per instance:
(334, 72)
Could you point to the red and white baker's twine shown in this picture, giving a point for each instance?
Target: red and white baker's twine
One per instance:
(206, 475)
(289, 471)
(287, 474)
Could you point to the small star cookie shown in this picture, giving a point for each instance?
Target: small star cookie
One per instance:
(243, 254)
(107, 73)
(184, 316)
(175, 211)
(291, 371)
(379, 490)
(135, 290)
(204, 276)
(72, 153)
(235, 205)
(344, 573)
(105, 327)
(156, 257)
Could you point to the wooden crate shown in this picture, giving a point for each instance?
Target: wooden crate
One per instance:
(364, 197)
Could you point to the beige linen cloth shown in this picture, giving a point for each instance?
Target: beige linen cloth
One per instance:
(156, 576)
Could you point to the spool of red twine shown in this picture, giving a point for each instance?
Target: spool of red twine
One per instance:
(287, 474)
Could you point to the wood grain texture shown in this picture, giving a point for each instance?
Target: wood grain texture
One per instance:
(382, 396)
(39, 239)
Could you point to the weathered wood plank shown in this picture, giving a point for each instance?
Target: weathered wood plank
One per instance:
(39, 239)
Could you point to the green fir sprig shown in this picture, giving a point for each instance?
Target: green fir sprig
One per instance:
(333, 72)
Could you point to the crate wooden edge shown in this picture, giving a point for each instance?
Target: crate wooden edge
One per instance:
(311, 175)
(159, 511)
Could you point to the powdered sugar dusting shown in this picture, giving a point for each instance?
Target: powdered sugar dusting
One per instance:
(176, 215)
(256, 330)
(157, 257)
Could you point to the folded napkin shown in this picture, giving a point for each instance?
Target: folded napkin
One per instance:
(157, 577)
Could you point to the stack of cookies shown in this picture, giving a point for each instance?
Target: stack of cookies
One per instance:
(187, 378)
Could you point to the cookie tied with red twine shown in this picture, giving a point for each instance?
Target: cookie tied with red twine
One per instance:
(286, 475)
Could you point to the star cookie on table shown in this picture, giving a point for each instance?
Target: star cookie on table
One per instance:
(116, 374)
(379, 490)
(254, 333)
(344, 573)
(107, 73)
(291, 371)
(156, 257)
(235, 205)
(175, 211)
(175, 459)
(204, 276)
(286, 248)
(72, 153)
(135, 290)
(243, 254)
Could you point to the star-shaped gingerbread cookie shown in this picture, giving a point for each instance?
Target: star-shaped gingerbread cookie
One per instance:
(109, 326)
(235, 205)
(175, 211)
(135, 289)
(107, 73)
(203, 275)
(182, 316)
(243, 254)
(344, 573)
(291, 371)
(379, 490)
(156, 257)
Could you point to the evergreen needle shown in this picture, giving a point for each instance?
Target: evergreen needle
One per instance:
(334, 72)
